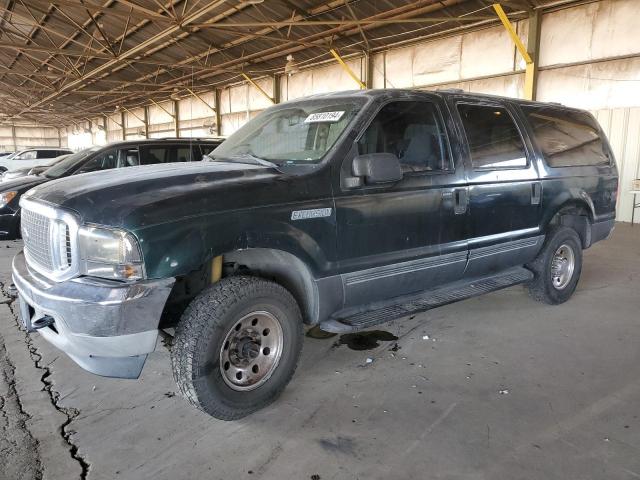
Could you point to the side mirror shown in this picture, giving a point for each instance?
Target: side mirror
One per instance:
(377, 168)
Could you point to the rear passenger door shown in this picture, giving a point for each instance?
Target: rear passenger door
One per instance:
(504, 189)
(404, 237)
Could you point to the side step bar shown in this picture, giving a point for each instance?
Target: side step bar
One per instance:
(354, 319)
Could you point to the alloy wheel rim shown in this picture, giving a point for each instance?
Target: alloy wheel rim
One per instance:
(562, 266)
(251, 351)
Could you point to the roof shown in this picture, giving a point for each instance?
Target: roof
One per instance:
(67, 61)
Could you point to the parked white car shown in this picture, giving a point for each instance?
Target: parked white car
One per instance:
(31, 157)
(26, 171)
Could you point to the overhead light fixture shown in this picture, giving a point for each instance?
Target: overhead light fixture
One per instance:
(250, 2)
(290, 67)
(117, 109)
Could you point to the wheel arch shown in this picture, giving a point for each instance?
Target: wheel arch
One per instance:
(284, 268)
(576, 212)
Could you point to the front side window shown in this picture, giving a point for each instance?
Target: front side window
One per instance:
(154, 154)
(493, 137)
(566, 138)
(129, 157)
(28, 155)
(299, 133)
(104, 161)
(413, 132)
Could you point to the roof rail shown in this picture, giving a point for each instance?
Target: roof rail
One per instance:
(450, 90)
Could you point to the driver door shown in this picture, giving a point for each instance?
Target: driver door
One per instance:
(407, 236)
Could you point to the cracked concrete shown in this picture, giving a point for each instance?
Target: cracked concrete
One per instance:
(427, 409)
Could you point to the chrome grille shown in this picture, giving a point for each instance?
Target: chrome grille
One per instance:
(35, 234)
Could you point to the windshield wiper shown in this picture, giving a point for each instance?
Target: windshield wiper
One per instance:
(250, 159)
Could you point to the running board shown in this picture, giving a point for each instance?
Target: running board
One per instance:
(354, 319)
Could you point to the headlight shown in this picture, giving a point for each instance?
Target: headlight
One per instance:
(6, 197)
(110, 254)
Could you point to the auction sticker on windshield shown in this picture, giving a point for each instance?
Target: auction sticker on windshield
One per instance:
(324, 117)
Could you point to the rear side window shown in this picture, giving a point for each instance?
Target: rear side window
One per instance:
(47, 153)
(566, 138)
(413, 132)
(493, 137)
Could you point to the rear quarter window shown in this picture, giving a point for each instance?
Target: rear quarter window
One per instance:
(566, 138)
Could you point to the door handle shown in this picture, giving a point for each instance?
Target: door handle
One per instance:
(460, 200)
(536, 193)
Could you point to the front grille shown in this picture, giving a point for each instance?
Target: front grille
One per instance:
(37, 238)
(49, 238)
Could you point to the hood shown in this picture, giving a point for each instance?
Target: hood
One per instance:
(22, 184)
(136, 197)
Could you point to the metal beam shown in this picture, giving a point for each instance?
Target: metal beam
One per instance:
(345, 23)
(347, 69)
(123, 125)
(167, 32)
(258, 87)
(529, 77)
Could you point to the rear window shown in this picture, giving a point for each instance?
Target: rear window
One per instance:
(566, 138)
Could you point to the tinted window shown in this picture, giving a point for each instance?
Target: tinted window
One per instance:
(411, 131)
(104, 161)
(566, 138)
(154, 154)
(183, 153)
(129, 157)
(202, 150)
(48, 153)
(493, 138)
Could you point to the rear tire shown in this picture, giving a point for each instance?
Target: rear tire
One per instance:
(557, 267)
(237, 346)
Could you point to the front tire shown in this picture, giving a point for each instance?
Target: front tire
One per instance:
(557, 267)
(237, 346)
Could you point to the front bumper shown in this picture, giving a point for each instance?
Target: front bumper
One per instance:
(106, 327)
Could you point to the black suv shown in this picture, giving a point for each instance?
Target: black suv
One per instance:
(114, 155)
(343, 210)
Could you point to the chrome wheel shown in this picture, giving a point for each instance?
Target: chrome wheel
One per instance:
(562, 266)
(251, 351)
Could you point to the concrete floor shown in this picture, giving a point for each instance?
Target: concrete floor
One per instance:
(502, 388)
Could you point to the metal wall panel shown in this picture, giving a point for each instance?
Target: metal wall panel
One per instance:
(622, 126)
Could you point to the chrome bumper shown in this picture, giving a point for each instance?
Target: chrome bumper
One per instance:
(106, 327)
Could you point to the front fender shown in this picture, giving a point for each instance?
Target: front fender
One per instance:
(178, 248)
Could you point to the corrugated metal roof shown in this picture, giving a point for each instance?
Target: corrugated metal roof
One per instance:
(71, 59)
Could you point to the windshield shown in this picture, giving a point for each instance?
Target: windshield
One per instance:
(300, 133)
(64, 165)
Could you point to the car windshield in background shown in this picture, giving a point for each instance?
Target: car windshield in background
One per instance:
(63, 166)
(296, 134)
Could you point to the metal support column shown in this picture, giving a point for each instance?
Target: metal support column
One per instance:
(276, 89)
(368, 57)
(533, 47)
(218, 112)
(176, 118)
(123, 125)
(13, 136)
(146, 121)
